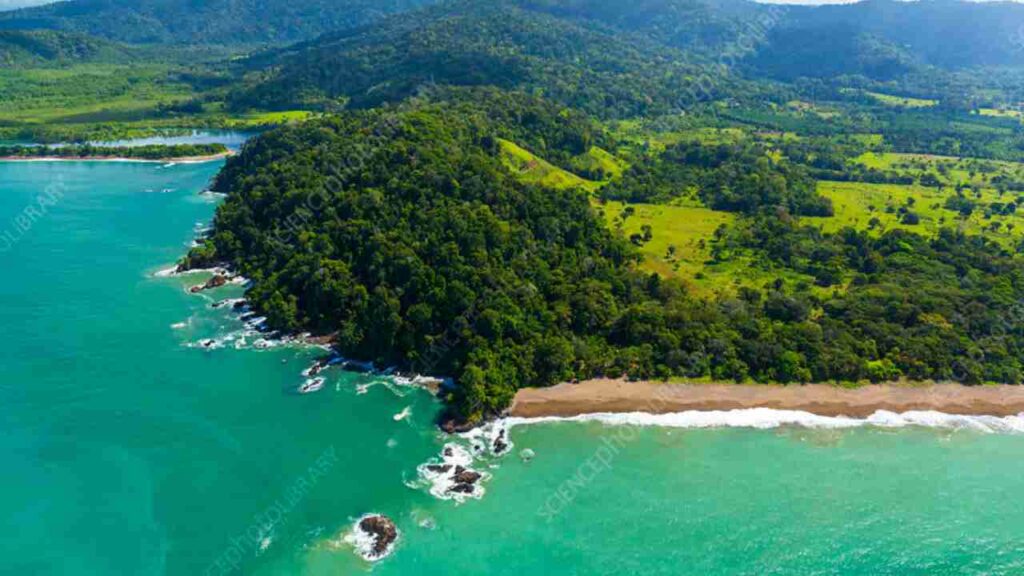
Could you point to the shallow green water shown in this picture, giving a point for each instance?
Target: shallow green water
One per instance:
(126, 451)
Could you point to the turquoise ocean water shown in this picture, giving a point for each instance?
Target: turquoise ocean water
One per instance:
(127, 450)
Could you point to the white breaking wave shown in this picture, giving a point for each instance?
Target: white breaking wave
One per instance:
(173, 271)
(766, 418)
(405, 413)
(484, 439)
(363, 541)
(438, 475)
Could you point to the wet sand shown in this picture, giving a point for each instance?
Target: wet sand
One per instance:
(618, 396)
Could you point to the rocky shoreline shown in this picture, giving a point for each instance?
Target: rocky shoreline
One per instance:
(222, 275)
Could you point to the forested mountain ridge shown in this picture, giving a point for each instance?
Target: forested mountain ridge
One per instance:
(223, 22)
(620, 61)
(704, 26)
(876, 38)
(484, 42)
(32, 47)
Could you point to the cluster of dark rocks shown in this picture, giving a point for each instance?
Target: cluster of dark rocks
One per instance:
(236, 304)
(384, 533)
(319, 365)
(216, 282)
(465, 480)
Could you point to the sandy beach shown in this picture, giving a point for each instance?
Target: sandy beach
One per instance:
(182, 160)
(618, 396)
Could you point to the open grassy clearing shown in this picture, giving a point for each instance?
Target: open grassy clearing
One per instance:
(260, 119)
(681, 240)
(110, 102)
(948, 170)
(804, 107)
(85, 93)
(902, 101)
(680, 246)
(681, 233)
(676, 239)
(528, 167)
(651, 136)
(1001, 113)
(600, 161)
(869, 139)
(877, 207)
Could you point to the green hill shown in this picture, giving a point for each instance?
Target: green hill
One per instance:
(19, 48)
(204, 22)
(482, 42)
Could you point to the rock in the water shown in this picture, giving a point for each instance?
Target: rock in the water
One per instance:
(321, 363)
(215, 282)
(465, 476)
(462, 489)
(454, 426)
(322, 340)
(383, 531)
(500, 445)
(439, 468)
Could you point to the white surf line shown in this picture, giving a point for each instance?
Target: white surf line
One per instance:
(768, 418)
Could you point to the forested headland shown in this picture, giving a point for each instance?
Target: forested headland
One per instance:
(402, 232)
(525, 192)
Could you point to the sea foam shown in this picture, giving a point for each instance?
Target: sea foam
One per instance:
(363, 541)
(438, 474)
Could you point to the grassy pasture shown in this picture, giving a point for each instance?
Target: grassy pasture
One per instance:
(111, 101)
(949, 170)
(902, 101)
(876, 207)
(530, 168)
(689, 229)
(600, 160)
(680, 247)
(1001, 113)
(646, 136)
(804, 107)
(86, 93)
(681, 233)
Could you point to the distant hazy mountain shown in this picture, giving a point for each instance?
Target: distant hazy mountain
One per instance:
(204, 21)
(884, 38)
(14, 4)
